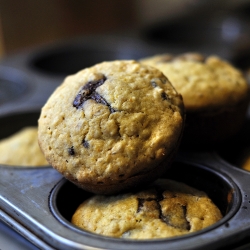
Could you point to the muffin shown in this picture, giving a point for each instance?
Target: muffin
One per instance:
(22, 149)
(165, 209)
(215, 95)
(112, 126)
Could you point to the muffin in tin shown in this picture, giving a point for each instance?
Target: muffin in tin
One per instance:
(215, 95)
(22, 149)
(165, 209)
(112, 126)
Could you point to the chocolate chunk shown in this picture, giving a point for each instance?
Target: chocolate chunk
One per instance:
(156, 196)
(186, 222)
(88, 91)
(71, 150)
(164, 96)
(140, 204)
(181, 222)
(85, 143)
(169, 219)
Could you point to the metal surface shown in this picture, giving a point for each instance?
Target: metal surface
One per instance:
(10, 239)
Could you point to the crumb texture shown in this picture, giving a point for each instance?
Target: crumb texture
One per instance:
(22, 149)
(111, 121)
(206, 83)
(166, 209)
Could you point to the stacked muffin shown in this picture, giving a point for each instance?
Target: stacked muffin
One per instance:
(215, 94)
(112, 126)
(113, 129)
(165, 209)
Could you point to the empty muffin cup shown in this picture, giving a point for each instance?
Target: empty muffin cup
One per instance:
(67, 58)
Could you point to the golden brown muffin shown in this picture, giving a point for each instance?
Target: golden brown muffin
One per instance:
(215, 95)
(165, 209)
(22, 149)
(112, 126)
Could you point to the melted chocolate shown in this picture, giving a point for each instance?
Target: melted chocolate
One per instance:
(88, 91)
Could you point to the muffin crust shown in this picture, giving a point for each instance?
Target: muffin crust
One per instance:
(110, 124)
(22, 149)
(165, 209)
(215, 94)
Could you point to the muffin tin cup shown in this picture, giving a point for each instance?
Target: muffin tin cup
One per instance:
(38, 202)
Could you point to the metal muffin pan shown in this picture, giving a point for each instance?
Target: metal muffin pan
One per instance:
(71, 56)
(13, 85)
(57, 60)
(38, 202)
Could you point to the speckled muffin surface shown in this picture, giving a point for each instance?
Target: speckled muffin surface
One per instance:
(203, 81)
(22, 149)
(111, 125)
(215, 93)
(165, 209)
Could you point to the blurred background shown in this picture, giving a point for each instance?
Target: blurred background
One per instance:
(49, 39)
(43, 41)
(30, 23)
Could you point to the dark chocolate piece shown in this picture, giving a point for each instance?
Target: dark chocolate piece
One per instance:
(155, 201)
(88, 91)
(71, 150)
(85, 143)
(164, 96)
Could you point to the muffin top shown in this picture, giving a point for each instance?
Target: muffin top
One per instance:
(206, 83)
(110, 122)
(165, 209)
(22, 149)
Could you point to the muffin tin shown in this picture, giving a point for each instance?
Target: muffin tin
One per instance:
(38, 202)
(13, 85)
